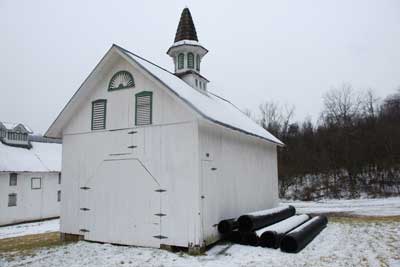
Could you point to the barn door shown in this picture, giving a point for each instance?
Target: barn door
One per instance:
(123, 203)
(209, 201)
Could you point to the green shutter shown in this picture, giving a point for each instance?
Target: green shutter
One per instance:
(99, 109)
(198, 63)
(181, 61)
(144, 108)
(190, 59)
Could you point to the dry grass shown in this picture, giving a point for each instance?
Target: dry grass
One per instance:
(26, 245)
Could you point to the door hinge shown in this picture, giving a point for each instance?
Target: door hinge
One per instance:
(160, 237)
(85, 209)
(84, 230)
(85, 188)
(214, 169)
(160, 190)
(160, 214)
(132, 146)
(203, 197)
(132, 132)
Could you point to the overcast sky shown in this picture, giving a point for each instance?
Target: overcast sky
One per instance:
(287, 51)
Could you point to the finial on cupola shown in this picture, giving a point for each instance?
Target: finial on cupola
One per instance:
(187, 52)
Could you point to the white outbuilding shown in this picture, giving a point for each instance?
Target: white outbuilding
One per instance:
(29, 176)
(152, 157)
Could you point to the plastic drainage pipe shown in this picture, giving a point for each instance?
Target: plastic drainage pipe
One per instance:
(259, 219)
(271, 236)
(250, 238)
(298, 238)
(225, 227)
(235, 237)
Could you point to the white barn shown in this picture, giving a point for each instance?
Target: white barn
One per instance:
(152, 157)
(29, 176)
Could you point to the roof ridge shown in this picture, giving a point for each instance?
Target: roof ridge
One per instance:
(142, 58)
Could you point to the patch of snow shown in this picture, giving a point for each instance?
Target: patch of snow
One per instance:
(362, 207)
(285, 225)
(42, 157)
(339, 245)
(30, 228)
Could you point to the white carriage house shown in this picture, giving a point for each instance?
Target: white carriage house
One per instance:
(152, 157)
(30, 176)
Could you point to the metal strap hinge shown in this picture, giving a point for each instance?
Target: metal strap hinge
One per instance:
(213, 169)
(160, 190)
(132, 146)
(132, 132)
(160, 237)
(85, 188)
(160, 214)
(85, 209)
(84, 230)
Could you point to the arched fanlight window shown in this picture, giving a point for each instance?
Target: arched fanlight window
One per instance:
(121, 80)
(181, 61)
(190, 59)
(198, 63)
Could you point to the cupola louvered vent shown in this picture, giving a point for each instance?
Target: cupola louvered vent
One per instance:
(144, 112)
(99, 114)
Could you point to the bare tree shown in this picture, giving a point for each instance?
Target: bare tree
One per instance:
(341, 105)
(275, 118)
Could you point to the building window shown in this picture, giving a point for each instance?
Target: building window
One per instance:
(12, 200)
(181, 61)
(190, 59)
(198, 63)
(144, 112)
(121, 80)
(36, 183)
(99, 108)
(197, 82)
(58, 195)
(59, 178)
(13, 179)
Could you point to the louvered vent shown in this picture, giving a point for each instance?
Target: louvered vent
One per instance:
(144, 108)
(99, 114)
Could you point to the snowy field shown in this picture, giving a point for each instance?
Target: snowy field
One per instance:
(30, 228)
(357, 207)
(358, 241)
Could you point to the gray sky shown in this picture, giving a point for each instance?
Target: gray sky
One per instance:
(288, 51)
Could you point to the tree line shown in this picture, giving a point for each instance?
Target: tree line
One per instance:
(353, 149)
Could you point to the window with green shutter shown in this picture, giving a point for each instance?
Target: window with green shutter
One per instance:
(181, 61)
(99, 108)
(198, 63)
(190, 59)
(143, 108)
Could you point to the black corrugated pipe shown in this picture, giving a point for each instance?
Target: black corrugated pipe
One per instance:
(272, 235)
(256, 220)
(298, 238)
(250, 238)
(225, 227)
(235, 237)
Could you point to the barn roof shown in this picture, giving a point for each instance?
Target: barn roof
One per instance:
(11, 126)
(42, 157)
(208, 105)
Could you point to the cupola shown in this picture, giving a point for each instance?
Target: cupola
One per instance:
(187, 52)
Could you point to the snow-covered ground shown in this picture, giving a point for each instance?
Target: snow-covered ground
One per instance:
(340, 244)
(361, 207)
(30, 228)
(345, 242)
